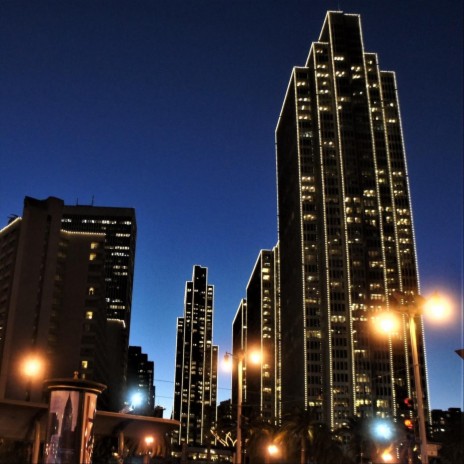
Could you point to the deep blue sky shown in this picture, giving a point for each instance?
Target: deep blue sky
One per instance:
(170, 107)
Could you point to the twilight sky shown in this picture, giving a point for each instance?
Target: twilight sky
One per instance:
(170, 107)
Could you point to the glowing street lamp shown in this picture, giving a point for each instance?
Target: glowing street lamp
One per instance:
(412, 306)
(255, 358)
(149, 440)
(387, 456)
(32, 367)
(272, 452)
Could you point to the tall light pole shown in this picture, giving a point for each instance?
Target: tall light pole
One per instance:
(255, 358)
(412, 306)
(411, 310)
(239, 357)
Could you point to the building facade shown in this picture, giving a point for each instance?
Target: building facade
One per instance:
(256, 329)
(345, 231)
(119, 228)
(52, 302)
(140, 381)
(195, 391)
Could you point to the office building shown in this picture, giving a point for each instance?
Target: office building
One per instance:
(118, 225)
(120, 230)
(195, 391)
(346, 233)
(256, 330)
(140, 389)
(52, 302)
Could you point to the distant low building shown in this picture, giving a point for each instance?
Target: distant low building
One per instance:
(140, 381)
(442, 420)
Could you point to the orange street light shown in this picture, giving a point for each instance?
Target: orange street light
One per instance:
(32, 366)
(387, 456)
(412, 307)
(255, 358)
(272, 451)
(437, 307)
(149, 440)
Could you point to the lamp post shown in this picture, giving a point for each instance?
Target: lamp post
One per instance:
(418, 385)
(149, 440)
(272, 451)
(239, 357)
(412, 306)
(32, 367)
(255, 358)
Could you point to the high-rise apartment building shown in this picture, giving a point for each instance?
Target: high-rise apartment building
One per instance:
(345, 231)
(39, 252)
(118, 225)
(195, 391)
(256, 329)
(120, 230)
(52, 301)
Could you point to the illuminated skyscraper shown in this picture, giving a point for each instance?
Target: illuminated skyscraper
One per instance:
(345, 231)
(195, 391)
(256, 329)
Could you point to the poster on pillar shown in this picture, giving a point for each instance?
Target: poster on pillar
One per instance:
(62, 428)
(70, 427)
(88, 418)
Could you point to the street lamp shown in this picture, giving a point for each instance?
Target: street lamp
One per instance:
(255, 358)
(272, 451)
(31, 368)
(412, 306)
(149, 440)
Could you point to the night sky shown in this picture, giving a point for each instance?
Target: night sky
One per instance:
(170, 107)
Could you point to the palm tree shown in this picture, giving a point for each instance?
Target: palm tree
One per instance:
(356, 441)
(260, 434)
(303, 434)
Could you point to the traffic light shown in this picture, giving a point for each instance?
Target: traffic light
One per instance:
(404, 401)
(409, 424)
(408, 404)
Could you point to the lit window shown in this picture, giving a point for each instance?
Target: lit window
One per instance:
(91, 291)
(84, 364)
(94, 245)
(92, 256)
(89, 315)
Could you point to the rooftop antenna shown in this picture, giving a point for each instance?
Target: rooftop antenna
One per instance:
(92, 199)
(77, 201)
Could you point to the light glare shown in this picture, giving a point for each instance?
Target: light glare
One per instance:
(387, 323)
(255, 357)
(438, 308)
(273, 450)
(32, 367)
(137, 399)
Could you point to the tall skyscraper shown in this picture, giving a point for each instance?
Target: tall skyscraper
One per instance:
(345, 231)
(52, 301)
(256, 329)
(195, 391)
